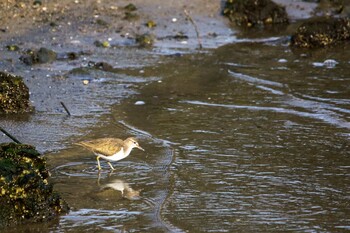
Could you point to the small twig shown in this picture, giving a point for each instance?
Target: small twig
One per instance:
(65, 108)
(10, 136)
(195, 28)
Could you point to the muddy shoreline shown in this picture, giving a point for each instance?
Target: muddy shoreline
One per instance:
(82, 33)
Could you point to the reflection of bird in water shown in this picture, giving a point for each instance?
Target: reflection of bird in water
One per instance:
(124, 188)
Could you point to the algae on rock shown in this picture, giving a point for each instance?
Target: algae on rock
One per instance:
(26, 195)
(321, 32)
(251, 13)
(14, 94)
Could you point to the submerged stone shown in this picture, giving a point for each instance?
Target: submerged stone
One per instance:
(26, 195)
(321, 32)
(251, 13)
(14, 94)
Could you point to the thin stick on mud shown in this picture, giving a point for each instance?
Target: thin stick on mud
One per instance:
(195, 28)
(65, 108)
(10, 136)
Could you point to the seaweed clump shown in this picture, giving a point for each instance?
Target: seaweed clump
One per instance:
(252, 13)
(25, 192)
(321, 32)
(14, 94)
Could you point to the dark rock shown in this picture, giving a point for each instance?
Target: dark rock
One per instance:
(130, 7)
(130, 13)
(12, 47)
(14, 94)
(180, 36)
(43, 55)
(145, 40)
(321, 32)
(37, 3)
(25, 192)
(254, 12)
(102, 22)
(130, 16)
(104, 66)
(67, 56)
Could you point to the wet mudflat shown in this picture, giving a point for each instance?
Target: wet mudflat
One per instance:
(247, 137)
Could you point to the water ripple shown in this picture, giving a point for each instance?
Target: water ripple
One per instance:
(334, 120)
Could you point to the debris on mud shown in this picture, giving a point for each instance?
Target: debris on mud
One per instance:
(26, 194)
(14, 94)
(321, 32)
(102, 44)
(252, 13)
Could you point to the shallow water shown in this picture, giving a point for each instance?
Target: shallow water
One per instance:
(260, 143)
(249, 137)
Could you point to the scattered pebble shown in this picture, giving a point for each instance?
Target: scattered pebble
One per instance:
(139, 102)
(282, 60)
(329, 63)
(85, 82)
(174, 20)
(106, 44)
(75, 41)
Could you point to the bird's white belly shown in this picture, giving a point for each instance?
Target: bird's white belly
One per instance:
(117, 156)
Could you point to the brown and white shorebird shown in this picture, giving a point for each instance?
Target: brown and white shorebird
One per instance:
(110, 149)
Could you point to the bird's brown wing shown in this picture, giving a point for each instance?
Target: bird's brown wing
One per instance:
(105, 146)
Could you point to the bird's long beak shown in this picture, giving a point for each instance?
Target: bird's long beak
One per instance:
(139, 147)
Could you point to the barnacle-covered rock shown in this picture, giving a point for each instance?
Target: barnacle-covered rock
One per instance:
(14, 94)
(251, 13)
(26, 195)
(321, 32)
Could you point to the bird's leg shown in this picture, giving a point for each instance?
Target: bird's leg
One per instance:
(98, 162)
(99, 177)
(111, 166)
